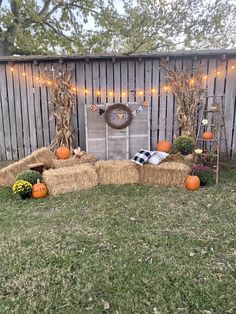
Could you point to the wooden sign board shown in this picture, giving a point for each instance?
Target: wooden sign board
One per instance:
(108, 143)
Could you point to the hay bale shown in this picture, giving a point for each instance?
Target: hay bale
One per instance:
(9, 173)
(69, 179)
(86, 158)
(166, 174)
(117, 172)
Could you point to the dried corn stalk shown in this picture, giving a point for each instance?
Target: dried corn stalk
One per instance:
(63, 101)
(186, 85)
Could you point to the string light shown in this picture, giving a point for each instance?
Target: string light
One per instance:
(111, 93)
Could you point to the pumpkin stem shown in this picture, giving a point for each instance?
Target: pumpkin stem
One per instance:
(38, 181)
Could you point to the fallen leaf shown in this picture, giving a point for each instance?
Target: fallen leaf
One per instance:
(105, 304)
(156, 311)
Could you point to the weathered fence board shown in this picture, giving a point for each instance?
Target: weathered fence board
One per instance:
(26, 121)
(5, 112)
(154, 102)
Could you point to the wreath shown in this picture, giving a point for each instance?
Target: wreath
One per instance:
(125, 116)
(118, 116)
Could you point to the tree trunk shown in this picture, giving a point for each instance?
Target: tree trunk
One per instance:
(7, 41)
(6, 49)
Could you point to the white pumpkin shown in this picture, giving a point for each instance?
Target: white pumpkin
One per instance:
(204, 121)
(198, 151)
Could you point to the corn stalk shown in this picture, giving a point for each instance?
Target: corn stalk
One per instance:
(63, 102)
(186, 85)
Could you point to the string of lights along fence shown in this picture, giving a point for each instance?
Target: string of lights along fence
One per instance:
(100, 92)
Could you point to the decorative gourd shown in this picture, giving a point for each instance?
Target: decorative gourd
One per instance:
(192, 183)
(198, 151)
(39, 190)
(205, 122)
(163, 146)
(63, 152)
(207, 135)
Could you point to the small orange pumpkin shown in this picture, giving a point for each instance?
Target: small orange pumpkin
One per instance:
(192, 183)
(207, 135)
(63, 152)
(164, 146)
(39, 190)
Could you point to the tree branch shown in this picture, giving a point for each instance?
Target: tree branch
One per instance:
(57, 31)
(45, 7)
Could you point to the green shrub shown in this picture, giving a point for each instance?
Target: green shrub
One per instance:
(205, 174)
(30, 176)
(184, 144)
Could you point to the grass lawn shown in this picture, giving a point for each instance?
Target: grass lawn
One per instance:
(120, 249)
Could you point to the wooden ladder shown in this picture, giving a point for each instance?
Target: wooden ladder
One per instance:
(214, 116)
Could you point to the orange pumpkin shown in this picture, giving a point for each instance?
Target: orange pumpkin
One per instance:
(39, 190)
(163, 146)
(207, 135)
(63, 152)
(192, 183)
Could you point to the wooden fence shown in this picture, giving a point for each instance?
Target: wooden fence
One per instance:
(26, 121)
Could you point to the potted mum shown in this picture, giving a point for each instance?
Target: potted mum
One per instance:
(23, 188)
(184, 144)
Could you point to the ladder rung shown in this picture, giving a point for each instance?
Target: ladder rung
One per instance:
(203, 154)
(216, 111)
(208, 125)
(203, 140)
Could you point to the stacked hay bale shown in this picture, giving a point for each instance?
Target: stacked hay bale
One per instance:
(117, 172)
(166, 174)
(69, 179)
(86, 158)
(9, 173)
